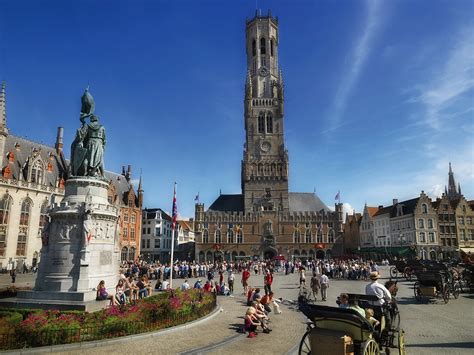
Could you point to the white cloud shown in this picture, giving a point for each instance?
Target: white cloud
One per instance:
(358, 59)
(455, 79)
(347, 208)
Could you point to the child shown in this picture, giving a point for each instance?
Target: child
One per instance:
(369, 315)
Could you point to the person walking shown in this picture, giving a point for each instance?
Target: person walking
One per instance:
(268, 282)
(315, 285)
(245, 280)
(324, 281)
(230, 281)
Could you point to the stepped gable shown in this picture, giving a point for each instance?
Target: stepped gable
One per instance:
(228, 203)
(25, 152)
(306, 202)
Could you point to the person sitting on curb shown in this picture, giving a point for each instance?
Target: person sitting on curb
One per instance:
(103, 295)
(261, 317)
(266, 301)
(120, 293)
(250, 322)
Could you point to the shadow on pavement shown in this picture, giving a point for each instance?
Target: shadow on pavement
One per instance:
(465, 345)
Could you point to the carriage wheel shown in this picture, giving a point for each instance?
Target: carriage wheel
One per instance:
(417, 291)
(393, 272)
(305, 344)
(396, 318)
(401, 342)
(370, 347)
(446, 294)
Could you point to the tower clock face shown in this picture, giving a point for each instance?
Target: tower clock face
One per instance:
(265, 147)
(263, 71)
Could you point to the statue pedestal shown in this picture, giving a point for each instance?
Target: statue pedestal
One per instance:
(71, 267)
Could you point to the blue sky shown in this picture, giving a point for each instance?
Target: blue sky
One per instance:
(379, 94)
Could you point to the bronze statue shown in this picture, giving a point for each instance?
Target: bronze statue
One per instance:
(87, 149)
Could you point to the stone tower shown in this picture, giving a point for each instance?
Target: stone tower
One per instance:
(452, 191)
(265, 158)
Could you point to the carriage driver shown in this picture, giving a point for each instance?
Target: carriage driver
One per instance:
(383, 295)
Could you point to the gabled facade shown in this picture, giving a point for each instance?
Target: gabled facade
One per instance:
(367, 227)
(426, 227)
(156, 235)
(448, 240)
(352, 232)
(381, 220)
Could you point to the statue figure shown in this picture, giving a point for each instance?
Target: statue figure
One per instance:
(268, 228)
(87, 149)
(87, 225)
(45, 232)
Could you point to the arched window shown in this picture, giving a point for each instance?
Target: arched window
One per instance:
(263, 50)
(254, 48)
(131, 255)
(271, 47)
(124, 254)
(424, 208)
(308, 236)
(320, 236)
(269, 123)
(261, 123)
(5, 204)
(230, 236)
(23, 230)
(422, 237)
(37, 172)
(205, 236)
(218, 237)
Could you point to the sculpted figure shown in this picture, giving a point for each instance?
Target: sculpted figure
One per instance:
(87, 225)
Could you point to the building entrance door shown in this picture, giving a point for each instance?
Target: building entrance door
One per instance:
(320, 254)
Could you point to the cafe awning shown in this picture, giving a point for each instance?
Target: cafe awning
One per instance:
(467, 250)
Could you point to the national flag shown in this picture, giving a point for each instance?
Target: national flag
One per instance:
(175, 209)
(338, 196)
(197, 197)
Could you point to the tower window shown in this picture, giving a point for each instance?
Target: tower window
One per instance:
(254, 47)
(271, 47)
(269, 123)
(262, 46)
(261, 123)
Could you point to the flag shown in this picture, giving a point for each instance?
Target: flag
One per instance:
(338, 196)
(175, 209)
(197, 197)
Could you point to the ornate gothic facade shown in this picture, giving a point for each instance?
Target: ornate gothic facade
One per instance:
(266, 219)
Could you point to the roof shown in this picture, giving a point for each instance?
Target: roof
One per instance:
(185, 225)
(408, 207)
(351, 218)
(228, 203)
(306, 202)
(122, 186)
(382, 211)
(25, 151)
(372, 211)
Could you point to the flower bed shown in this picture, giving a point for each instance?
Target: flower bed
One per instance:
(41, 328)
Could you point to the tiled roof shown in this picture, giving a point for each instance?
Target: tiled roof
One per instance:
(306, 202)
(383, 211)
(372, 211)
(408, 207)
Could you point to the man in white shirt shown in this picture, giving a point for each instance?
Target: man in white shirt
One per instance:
(185, 286)
(324, 281)
(376, 289)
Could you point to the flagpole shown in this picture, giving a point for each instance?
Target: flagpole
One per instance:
(173, 224)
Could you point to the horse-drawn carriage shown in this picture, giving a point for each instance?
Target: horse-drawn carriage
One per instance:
(343, 330)
(436, 283)
(408, 268)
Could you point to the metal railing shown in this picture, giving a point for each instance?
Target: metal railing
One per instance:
(16, 339)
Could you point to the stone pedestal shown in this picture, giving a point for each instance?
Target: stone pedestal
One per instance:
(81, 247)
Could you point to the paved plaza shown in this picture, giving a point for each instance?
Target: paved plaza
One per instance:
(431, 328)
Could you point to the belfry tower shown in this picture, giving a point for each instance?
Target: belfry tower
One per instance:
(265, 158)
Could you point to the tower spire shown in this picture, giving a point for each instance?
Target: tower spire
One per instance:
(3, 108)
(452, 189)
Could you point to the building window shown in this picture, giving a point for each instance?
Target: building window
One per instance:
(261, 123)
(132, 233)
(130, 203)
(468, 220)
(461, 220)
(331, 236)
(25, 213)
(254, 47)
(37, 172)
(269, 123)
(463, 234)
(148, 230)
(296, 236)
(230, 236)
(263, 61)
(421, 224)
(143, 230)
(124, 254)
(43, 217)
(470, 234)
(424, 208)
(132, 218)
(271, 47)
(320, 236)
(148, 243)
(422, 237)
(157, 243)
(205, 236)
(157, 231)
(430, 223)
(240, 237)
(431, 237)
(125, 216)
(218, 236)
(308, 236)
(125, 233)
(263, 49)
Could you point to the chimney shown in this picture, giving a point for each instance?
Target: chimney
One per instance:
(395, 201)
(59, 140)
(380, 207)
